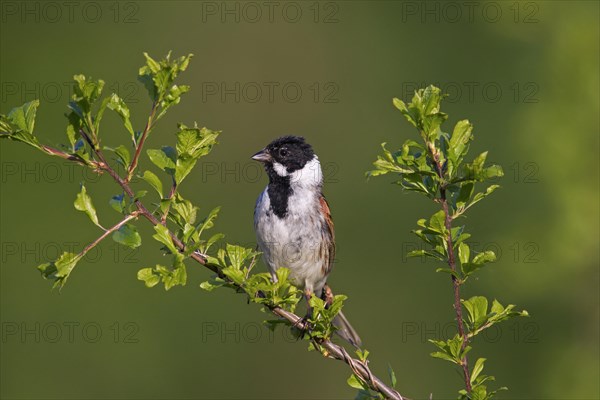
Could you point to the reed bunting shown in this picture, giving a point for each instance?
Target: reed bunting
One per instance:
(293, 223)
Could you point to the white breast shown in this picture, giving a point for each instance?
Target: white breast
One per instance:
(295, 240)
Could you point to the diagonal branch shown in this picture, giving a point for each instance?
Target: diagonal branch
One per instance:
(339, 353)
(118, 226)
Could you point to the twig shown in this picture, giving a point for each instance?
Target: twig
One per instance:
(59, 153)
(140, 144)
(90, 246)
(452, 263)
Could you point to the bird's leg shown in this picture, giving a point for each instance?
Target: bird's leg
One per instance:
(304, 323)
(309, 310)
(327, 296)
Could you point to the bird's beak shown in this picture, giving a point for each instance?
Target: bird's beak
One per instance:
(262, 156)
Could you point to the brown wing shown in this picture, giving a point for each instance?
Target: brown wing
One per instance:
(328, 246)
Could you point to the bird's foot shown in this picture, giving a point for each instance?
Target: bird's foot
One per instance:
(327, 296)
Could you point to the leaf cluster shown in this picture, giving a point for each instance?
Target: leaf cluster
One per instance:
(437, 163)
(436, 168)
(178, 216)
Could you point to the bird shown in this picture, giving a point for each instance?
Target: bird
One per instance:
(293, 223)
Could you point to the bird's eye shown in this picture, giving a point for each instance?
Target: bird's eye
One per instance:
(283, 152)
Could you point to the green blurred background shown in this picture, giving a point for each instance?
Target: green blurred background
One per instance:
(526, 75)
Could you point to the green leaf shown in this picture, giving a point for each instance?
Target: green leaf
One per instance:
(466, 191)
(392, 375)
(208, 222)
(185, 210)
(86, 92)
(461, 135)
(123, 155)
(477, 307)
(19, 124)
(154, 181)
(100, 114)
(432, 97)
(162, 235)
(165, 159)
(127, 235)
(463, 253)
(178, 276)
(476, 172)
(148, 276)
(478, 262)
(183, 168)
(437, 222)
(500, 313)
(454, 345)
(477, 369)
(497, 308)
(170, 277)
(410, 117)
(158, 77)
(480, 196)
(443, 356)
(73, 127)
(83, 202)
(117, 104)
(60, 269)
(211, 285)
(117, 202)
(139, 194)
(23, 118)
(448, 271)
(459, 144)
(356, 383)
(212, 240)
(416, 253)
(192, 143)
(493, 171)
(238, 255)
(485, 257)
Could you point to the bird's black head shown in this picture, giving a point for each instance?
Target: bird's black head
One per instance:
(291, 152)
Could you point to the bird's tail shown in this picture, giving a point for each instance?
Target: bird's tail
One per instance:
(345, 330)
